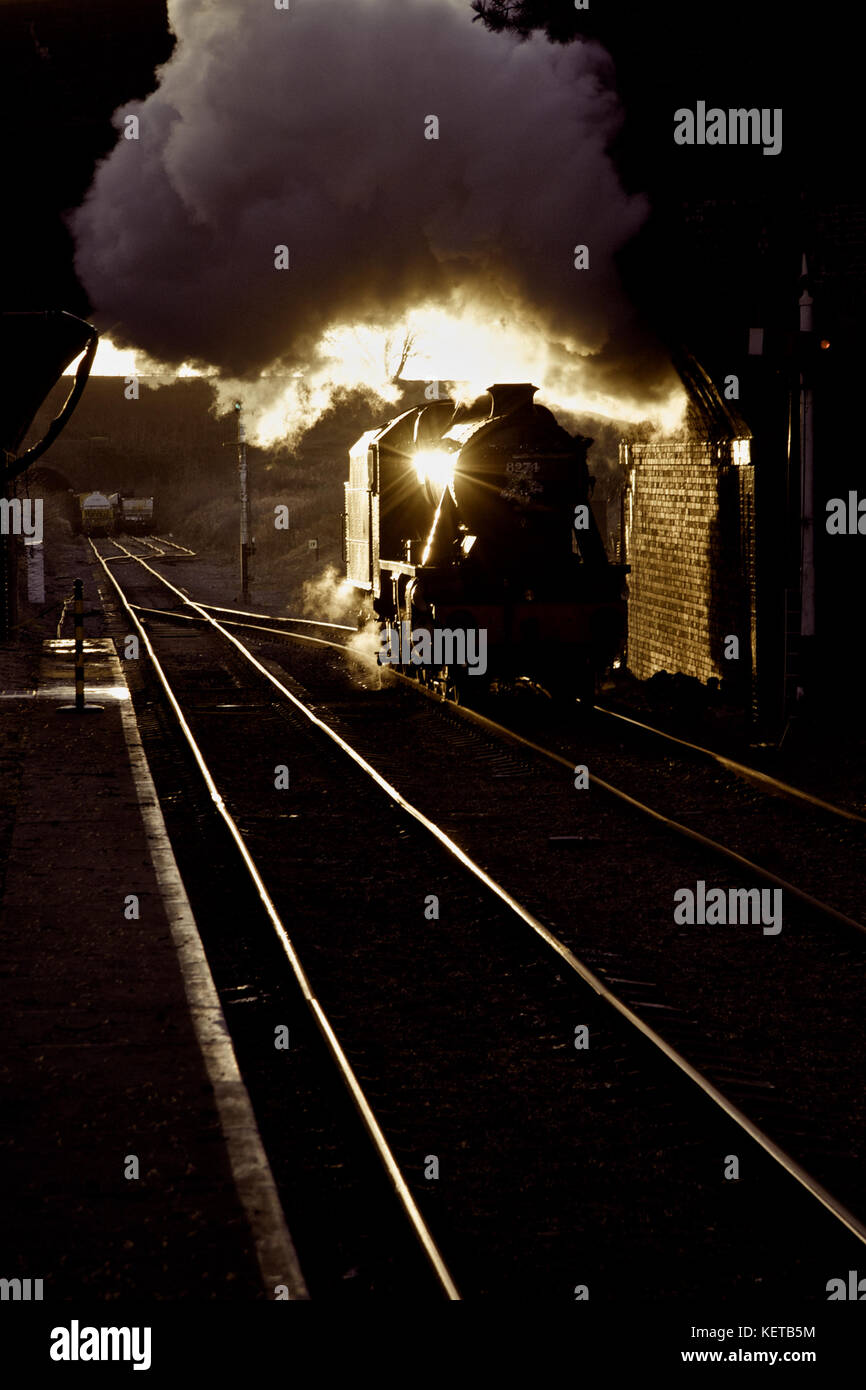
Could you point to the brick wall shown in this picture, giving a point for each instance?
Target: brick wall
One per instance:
(689, 517)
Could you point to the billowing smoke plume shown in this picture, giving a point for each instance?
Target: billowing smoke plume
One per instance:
(306, 128)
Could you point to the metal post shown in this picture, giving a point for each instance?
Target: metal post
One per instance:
(245, 505)
(80, 706)
(806, 474)
(78, 608)
(807, 491)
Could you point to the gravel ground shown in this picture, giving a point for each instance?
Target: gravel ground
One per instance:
(570, 1165)
(463, 1031)
(785, 1009)
(824, 753)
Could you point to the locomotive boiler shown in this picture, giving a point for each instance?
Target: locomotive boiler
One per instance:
(468, 528)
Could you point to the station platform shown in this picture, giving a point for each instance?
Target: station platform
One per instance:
(130, 1161)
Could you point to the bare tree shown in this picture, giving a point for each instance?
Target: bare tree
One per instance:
(403, 353)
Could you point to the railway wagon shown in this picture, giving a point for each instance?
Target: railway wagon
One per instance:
(132, 514)
(94, 514)
(475, 521)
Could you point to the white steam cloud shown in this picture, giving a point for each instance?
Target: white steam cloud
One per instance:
(306, 128)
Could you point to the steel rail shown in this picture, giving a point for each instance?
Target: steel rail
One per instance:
(730, 764)
(298, 637)
(162, 612)
(144, 540)
(705, 841)
(168, 616)
(741, 769)
(276, 618)
(347, 1073)
(774, 1150)
(154, 546)
(165, 541)
(154, 552)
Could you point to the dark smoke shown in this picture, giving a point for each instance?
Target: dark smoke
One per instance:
(306, 127)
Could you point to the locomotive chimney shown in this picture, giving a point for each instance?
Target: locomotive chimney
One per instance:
(510, 395)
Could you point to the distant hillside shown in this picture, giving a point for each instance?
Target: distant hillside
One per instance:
(169, 445)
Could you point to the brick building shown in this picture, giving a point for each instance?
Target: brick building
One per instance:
(750, 247)
(689, 537)
(690, 542)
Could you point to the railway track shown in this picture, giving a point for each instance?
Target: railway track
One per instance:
(775, 785)
(765, 782)
(808, 826)
(820, 850)
(289, 627)
(631, 1071)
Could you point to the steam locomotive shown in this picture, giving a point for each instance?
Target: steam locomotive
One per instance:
(468, 533)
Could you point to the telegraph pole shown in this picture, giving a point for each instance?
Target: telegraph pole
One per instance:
(246, 542)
